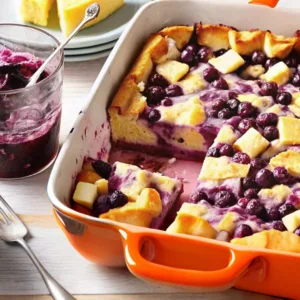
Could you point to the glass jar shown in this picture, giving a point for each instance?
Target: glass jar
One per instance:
(29, 117)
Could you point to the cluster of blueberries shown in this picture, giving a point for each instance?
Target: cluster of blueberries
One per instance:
(106, 202)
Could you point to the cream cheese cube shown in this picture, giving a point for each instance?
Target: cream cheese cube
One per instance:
(292, 221)
(289, 129)
(228, 222)
(226, 135)
(228, 62)
(279, 73)
(252, 143)
(102, 186)
(85, 194)
(172, 70)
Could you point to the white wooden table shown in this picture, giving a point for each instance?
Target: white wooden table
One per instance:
(28, 197)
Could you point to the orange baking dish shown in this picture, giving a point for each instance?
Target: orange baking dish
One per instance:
(197, 263)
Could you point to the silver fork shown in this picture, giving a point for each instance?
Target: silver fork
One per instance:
(13, 230)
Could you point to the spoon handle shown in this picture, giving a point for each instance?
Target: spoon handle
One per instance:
(91, 13)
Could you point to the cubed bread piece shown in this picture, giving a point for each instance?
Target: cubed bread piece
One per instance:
(157, 46)
(261, 102)
(271, 239)
(85, 194)
(213, 36)
(190, 112)
(226, 135)
(289, 129)
(289, 159)
(140, 213)
(279, 73)
(193, 225)
(292, 221)
(180, 34)
(275, 195)
(252, 143)
(172, 70)
(228, 62)
(275, 147)
(278, 45)
(222, 168)
(87, 176)
(142, 68)
(246, 42)
(193, 209)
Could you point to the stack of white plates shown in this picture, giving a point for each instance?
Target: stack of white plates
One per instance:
(91, 43)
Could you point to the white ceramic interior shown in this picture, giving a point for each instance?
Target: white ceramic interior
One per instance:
(156, 15)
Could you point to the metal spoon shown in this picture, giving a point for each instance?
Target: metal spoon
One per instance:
(91, 13)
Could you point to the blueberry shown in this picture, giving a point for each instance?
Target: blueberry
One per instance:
(243, 202)
(187, 56)
(264, 178)
(297, 231)
(218, 104)
(220, 84)
(251, 193)
(173, 90)
(258, 58)
(271, 62)
(220, 52)
(158, 80)
(246, 124)
(281, 175)
(213, 152)
(211, 74)
(241, 158)
(248, 183)
(154, 115)
(167, 102)
(255, 208)
(258, 163)
(226, 150)
(298, 69)
(291, 61)
(102, 168)
(193, 48)
(273, 214)
(101, 205)
(232, 95)
(267, 119)
(225, 113)
(155, 94)
(118, 199)
(271, 133)
(213, 113)
(286, 209)
(269, 89)
(204, 54)
(224, 199)
(242, 231)
(198, 196)
(284, 98)
(296, 80)
(246, 109)
(233, 104)
(278, 225)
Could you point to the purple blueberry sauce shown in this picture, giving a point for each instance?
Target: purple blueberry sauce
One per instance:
(29, 119)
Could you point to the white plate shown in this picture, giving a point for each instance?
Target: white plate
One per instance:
(106, 31)
(89, 50)
(77, 58)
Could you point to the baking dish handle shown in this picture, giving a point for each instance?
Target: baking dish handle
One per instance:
(163, 271)
(270, 3)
